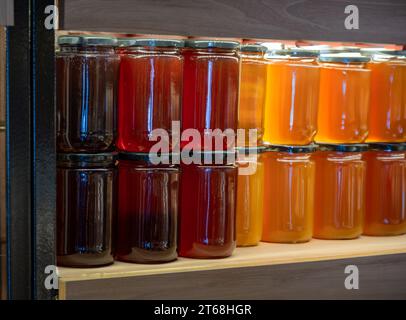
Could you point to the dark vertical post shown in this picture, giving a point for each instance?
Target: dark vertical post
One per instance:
(43, 144)
(18, 153)
(30, 145)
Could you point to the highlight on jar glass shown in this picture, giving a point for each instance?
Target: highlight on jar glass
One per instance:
(150, 93)
(252, 94)
(387, 115)
(211, 93)
(208, 206)
(343, 99)
(86, 80)
(289, 194)
(148, 196)
(340, 191)
(86, 209)
(250, 196)
(386, 190)
(291, 97)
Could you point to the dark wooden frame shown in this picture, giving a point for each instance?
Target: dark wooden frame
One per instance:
(30, 147)
(18, 155)
(380, 21)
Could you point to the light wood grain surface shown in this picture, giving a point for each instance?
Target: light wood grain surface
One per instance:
(313, 270)
(264, 254)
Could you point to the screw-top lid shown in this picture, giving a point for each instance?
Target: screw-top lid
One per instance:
(300, 52)
(165, 158)
(86, 159)
(292, 149)
(373, 50)
(208, 44)
(215, 157)
(344, 57)
(387, 146)
(253, 48)
(87, 41)
(398, 53)
(272, 46)
(360, 147)
(340, 49)
(125, 42)
(251, 150)
(150, 42)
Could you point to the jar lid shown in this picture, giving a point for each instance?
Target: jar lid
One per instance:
(150, 42)
(86, 159)
(223, 157)
(125, 42)
(272, 46)
(340, 49)
(87, 41)
(251, 150)
(208, 44)
(371, 51)
(300, 52)
(253, 48)
(344, 57)
(396, 52)
(359, 147)
(387, 146)
(292, 149)
(148, 157)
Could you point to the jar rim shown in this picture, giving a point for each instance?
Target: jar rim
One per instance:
(291, 148)
(146, 156)
(297, 52)
(225, 157)
(253, 48)
(86, 159)
(150, 42)
(357, 147)
(344, 57)
(87, 41)
(251, 150)
(387, 146)
(212, 44)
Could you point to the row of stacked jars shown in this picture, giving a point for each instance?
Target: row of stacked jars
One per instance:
(150, 213)
(290, 97)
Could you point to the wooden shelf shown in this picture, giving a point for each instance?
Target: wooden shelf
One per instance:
(380, 21)
(317, 265)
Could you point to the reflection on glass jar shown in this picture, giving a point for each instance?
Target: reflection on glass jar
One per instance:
(208, 210)
(291, 97)
(386, 190)
(387, 116)
(211, 89)
(340, 192)
(147, 210)
(250, 196)
(86, 79)
(252, 93)
(150, 92)
(289, 190)
(86, 204)
(343, 99)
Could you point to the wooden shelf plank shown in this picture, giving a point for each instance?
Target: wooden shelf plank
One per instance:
(379, 20)
(266, 259)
